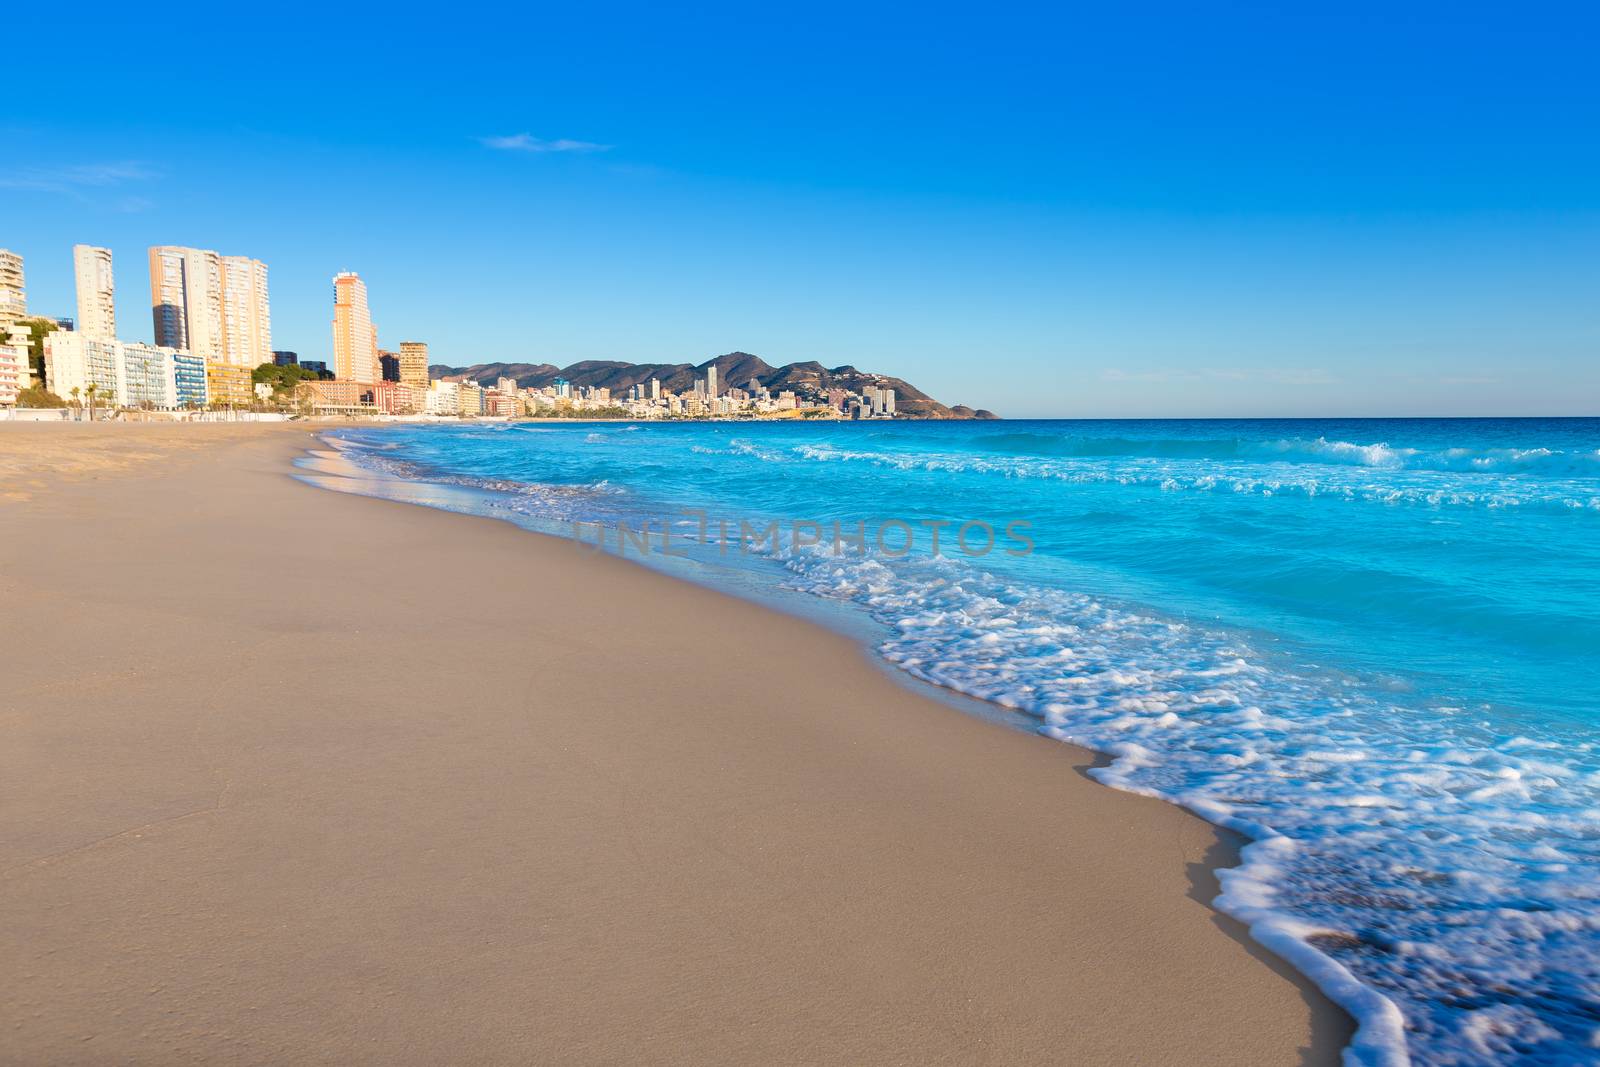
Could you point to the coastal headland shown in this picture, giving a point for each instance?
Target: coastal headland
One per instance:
(301, 776)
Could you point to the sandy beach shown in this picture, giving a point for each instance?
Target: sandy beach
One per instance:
(293, 776)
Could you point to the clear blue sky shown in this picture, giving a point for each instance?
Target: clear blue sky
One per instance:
(1178, 210)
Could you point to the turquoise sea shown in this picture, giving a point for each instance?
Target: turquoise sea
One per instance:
(1373, 646)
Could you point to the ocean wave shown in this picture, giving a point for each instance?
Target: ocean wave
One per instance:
(1357, 484)
(1402, 856)
(1318, 450)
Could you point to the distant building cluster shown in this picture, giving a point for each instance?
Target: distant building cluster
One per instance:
(440, 398)
(213, 348)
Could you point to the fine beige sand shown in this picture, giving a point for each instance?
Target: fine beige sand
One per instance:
(294, 776)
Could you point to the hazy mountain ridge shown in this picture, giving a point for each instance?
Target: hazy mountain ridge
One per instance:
(735, 369)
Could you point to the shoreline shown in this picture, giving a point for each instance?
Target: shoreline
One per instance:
(1248, 852)
(839, 798)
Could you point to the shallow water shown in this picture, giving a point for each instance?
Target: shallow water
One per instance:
(1371, 645)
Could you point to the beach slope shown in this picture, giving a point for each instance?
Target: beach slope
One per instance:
(299, 776)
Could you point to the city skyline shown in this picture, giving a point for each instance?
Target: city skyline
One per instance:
(1356, 222)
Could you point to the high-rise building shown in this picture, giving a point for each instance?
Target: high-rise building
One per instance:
(97, 308)
(389, 366)
(186, 299)
(214, 306)
(13, 293)
(355, 338)
(880, 400)
(711, 380)
(655, 388)
(286, 359)
(414, 364)
(246, 312)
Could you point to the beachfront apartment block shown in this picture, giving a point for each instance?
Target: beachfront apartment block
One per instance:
(73, 363)
(506, 405)
(212, 305)
(396, 398)
(355, 338)
(190, 387)
(124, 373)
(13, 292)
(97, 305)
(414, 364)
(442, 398)
(14, 373)
(246, 312)
(229, 383)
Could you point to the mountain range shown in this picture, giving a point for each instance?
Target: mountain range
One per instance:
(735, 369)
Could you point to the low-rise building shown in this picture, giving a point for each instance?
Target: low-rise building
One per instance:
(337, 397)
(127, 374)
(395, 398)
(229, 383)
(189, 386)
(442, 398)
(145, 377)
(14, 376)
(73, 363)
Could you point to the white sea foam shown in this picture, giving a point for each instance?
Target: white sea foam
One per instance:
(1369, 482)
(1439, 890)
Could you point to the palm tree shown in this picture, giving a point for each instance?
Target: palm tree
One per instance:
(75, 404)
(93, 388)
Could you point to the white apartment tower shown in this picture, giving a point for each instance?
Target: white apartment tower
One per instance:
(246, 312)
(711, 380)
(13, 293)
(97, 307)
(355, 338)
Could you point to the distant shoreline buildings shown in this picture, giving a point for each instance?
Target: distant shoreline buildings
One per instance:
(212, 321)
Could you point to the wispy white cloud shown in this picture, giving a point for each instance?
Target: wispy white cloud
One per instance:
(72, 178)
(527, 142)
